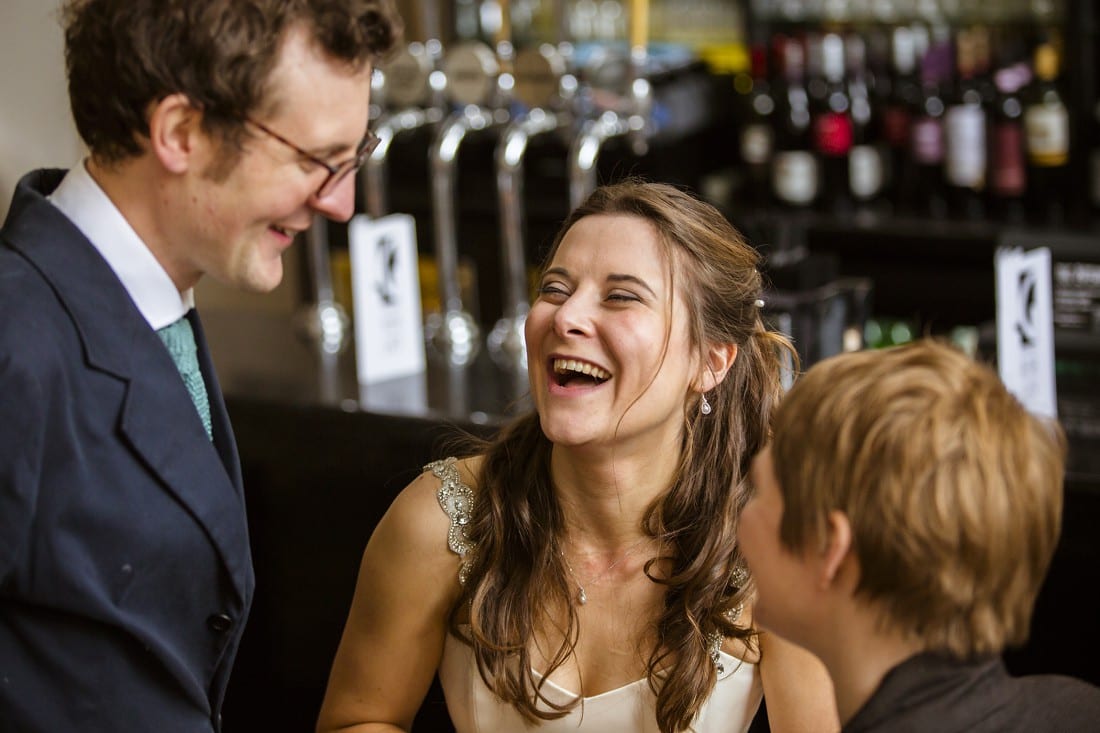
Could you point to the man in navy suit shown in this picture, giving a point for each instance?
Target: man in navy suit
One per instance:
(217, 129)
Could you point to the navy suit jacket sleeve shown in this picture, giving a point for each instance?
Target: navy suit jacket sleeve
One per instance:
(22, 436)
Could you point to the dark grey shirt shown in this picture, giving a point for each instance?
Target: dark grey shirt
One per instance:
(930, 692)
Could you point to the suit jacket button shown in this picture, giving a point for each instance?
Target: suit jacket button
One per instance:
(219, 622)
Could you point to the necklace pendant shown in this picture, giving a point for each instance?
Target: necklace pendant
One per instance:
(582, 596)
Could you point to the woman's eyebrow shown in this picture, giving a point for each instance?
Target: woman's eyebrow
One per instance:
(618, 278)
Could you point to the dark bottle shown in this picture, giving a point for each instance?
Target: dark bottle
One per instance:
(1094, 160)
(832, 128)
(794, 166)
(878, 73)
(865, 167)
(927, 139)
(897, 116)
(1094, 153)
(1046, 123)
(814, 64)
(981, 45)
(1007, 168)
(756, 136)
(965, 134)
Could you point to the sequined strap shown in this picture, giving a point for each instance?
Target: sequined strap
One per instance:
(457, 500)
(738, 577)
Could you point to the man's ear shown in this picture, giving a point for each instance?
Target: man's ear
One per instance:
(175, 131)
(836, 553)
(718, 360)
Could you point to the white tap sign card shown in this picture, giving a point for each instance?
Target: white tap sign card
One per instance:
(1025, 327)
(385, 289)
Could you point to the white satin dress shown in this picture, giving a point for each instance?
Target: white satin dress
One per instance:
(475, 709)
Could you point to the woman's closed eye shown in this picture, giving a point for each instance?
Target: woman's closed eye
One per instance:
(552, 290)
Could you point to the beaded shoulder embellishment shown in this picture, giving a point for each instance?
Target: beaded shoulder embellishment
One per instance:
(714, 639)
(457, 500)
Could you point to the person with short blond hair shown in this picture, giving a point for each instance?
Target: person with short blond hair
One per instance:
(905, 513)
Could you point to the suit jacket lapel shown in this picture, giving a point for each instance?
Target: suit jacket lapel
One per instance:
(157, 416)
(160, 422)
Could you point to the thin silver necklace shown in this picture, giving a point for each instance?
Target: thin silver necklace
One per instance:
(582, 596)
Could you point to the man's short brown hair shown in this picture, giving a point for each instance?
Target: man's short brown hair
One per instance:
(953, 490)
(123, 55)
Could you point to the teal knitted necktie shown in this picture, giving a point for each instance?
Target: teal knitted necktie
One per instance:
(180, 340)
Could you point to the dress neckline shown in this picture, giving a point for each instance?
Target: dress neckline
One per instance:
(732, 663)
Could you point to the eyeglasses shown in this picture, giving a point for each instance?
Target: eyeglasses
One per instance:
(336, 173)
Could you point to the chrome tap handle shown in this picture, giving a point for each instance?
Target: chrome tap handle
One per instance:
(453, 333)
(374, 172)
(585, 152)
(322, 321)
(443, 156)
(409, 91)
(506, 340)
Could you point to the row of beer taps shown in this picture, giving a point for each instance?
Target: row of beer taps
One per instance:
(474, 88)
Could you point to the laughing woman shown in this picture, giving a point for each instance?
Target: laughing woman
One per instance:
(581, 572)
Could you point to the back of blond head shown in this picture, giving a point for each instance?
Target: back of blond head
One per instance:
(953, 490)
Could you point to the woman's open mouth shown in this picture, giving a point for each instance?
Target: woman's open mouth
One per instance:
(573, 373)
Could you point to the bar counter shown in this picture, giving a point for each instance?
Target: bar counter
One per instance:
(323, 458)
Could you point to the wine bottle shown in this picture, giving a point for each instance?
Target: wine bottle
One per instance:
(832, 127)
(865, 168)
(756, 136)
(1046, 122)
(927, 140)
(1095, 159)
(1094, 164)
(965, 135)
(794, 167)
(896, 119)
(1007, 168)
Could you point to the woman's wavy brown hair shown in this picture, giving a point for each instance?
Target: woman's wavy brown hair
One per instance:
(123, 55)
(516, 572)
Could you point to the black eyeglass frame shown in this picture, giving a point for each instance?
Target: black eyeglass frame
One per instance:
(336, 173)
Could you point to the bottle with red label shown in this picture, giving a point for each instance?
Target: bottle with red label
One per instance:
(1007, 166)
(832, 127)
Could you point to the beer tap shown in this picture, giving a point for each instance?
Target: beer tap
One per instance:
(476, 86)
(410, 87)
(322, 321)
(543, 84)
(632, 120)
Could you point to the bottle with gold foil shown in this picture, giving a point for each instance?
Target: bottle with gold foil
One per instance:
(1046, 125)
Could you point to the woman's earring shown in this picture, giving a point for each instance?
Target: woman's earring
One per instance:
(704, 406)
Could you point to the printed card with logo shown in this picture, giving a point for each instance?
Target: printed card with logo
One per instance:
(389, 336)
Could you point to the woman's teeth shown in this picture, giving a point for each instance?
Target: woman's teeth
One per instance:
(565, 366)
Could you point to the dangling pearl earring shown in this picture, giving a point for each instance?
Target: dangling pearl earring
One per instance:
(704, 406)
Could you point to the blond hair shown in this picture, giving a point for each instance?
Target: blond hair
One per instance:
(953, 490)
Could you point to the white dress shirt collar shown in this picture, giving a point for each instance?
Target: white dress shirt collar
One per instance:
(81, 199)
